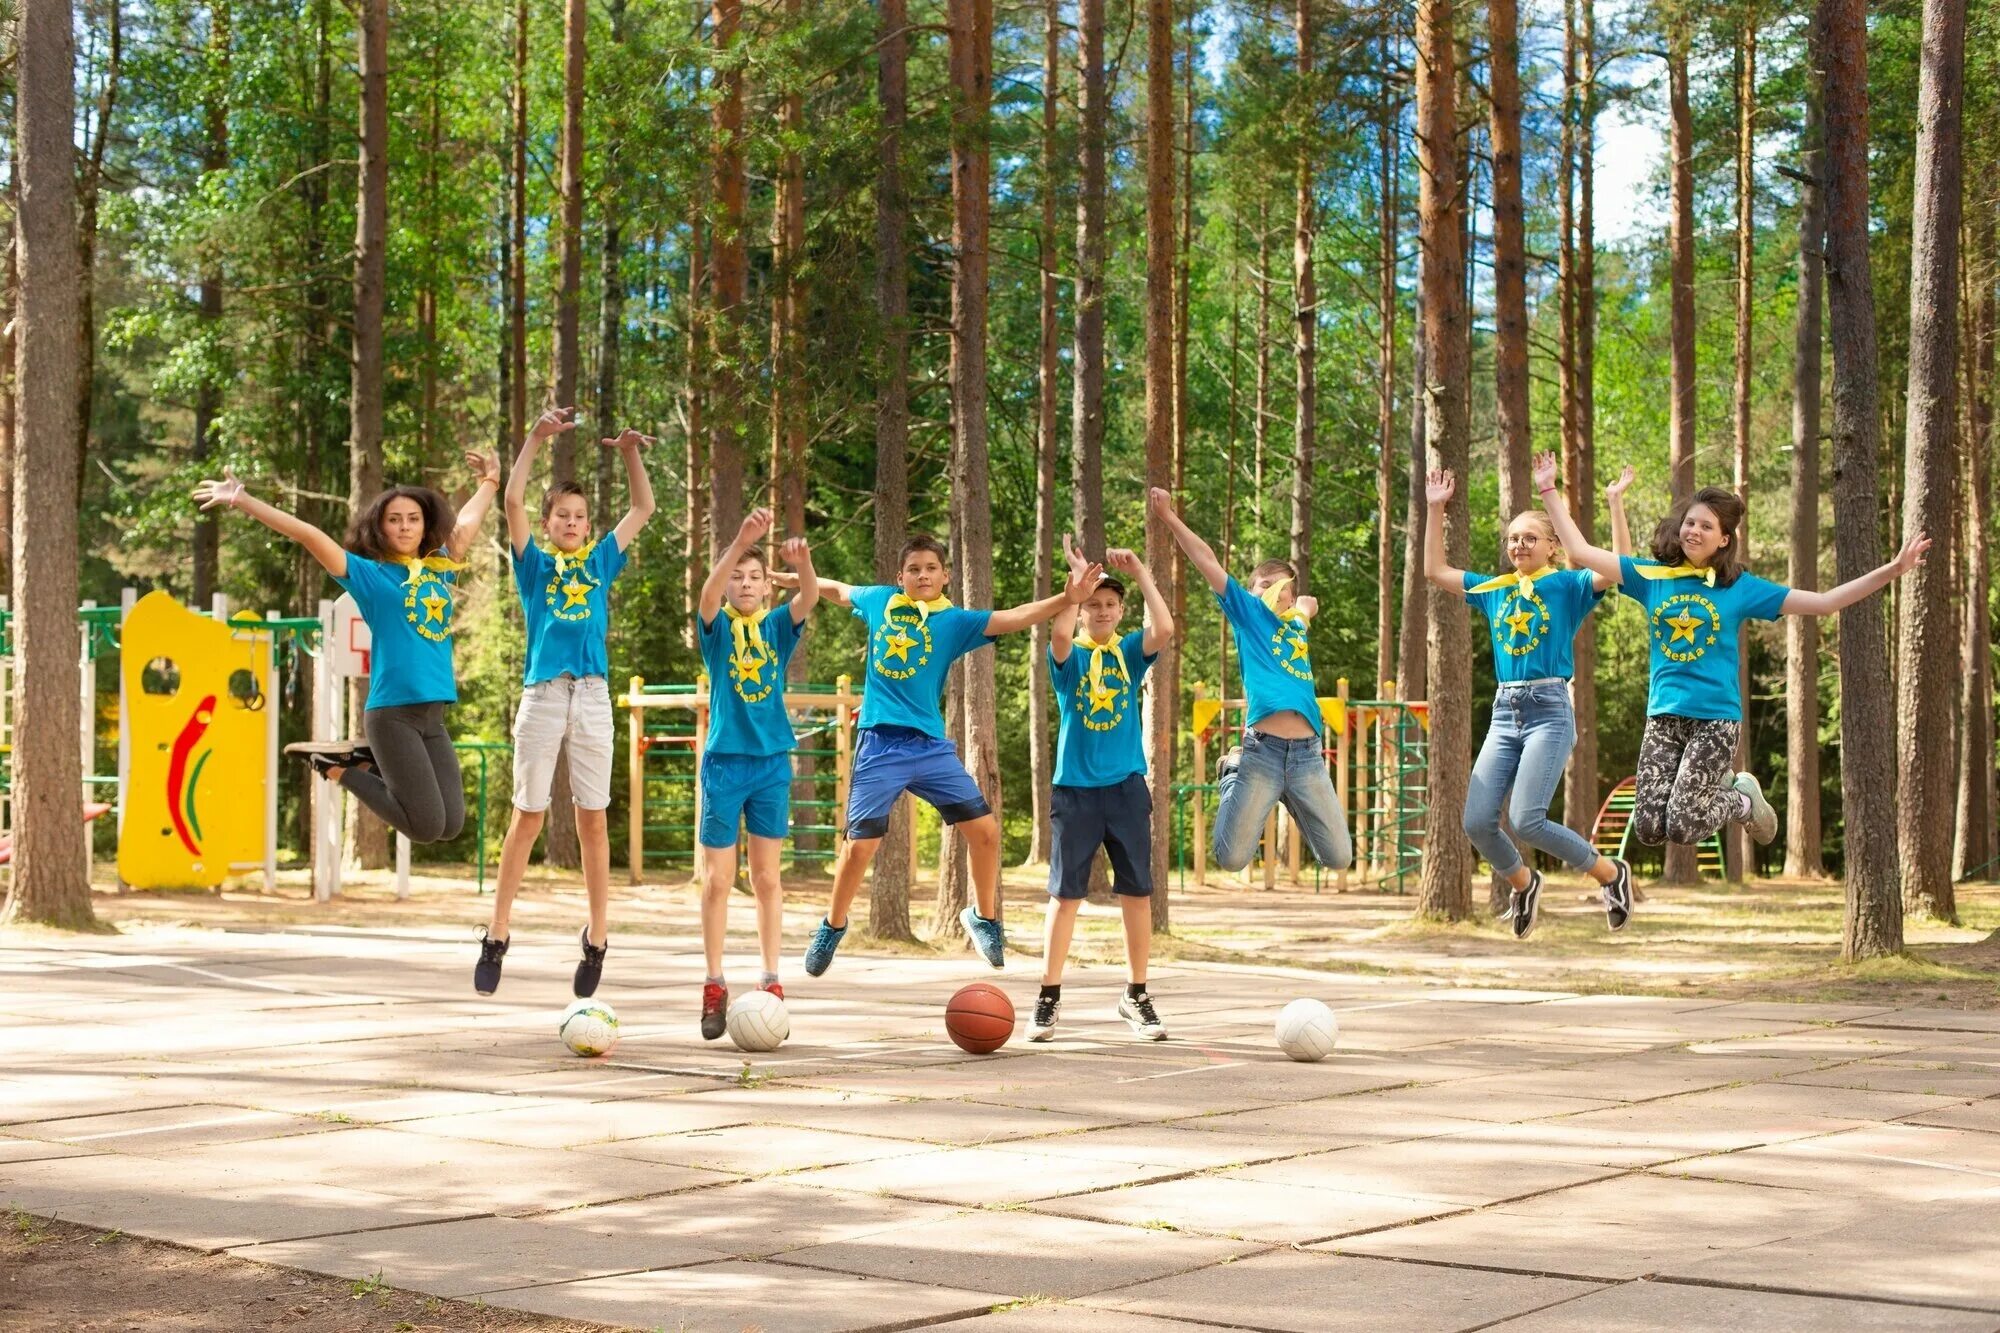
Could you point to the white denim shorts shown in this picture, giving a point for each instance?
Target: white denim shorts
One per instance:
(552, 712)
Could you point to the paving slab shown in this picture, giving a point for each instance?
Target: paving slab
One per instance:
(166, 1128)
(1786, 1099)
(1022, 1253)
(566, 1125)
(729, 1297)
(1981, 1115)
(1313, 1293)
(1068, 1317)
(756, 1218)
(977, 1176)
(37, 1150)
(1224, 1205)
(1901, 1162)
(1459, 1169)
(476, 1255)
(1643, 1307)
(1930, 1077)
(758, 1150)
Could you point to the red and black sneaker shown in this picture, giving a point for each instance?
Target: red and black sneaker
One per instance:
(714, 1010)
(775, 989)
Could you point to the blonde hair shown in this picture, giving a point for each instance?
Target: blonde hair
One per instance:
(1557, 556)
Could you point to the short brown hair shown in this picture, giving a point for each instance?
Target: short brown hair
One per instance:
(923, 541)
(364, 531)
(555, 492)
(1728, 508)
(755, 553)
(1281, 568)
(1113, 586)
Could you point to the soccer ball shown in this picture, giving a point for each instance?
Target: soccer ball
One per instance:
(758, 1021)
(589, 1027)
(1307, 1030)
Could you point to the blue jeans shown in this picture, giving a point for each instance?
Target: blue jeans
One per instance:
(1526, 747)
(1275, 769)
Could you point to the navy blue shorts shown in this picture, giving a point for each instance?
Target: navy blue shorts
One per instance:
(1119, 819)
(891, 760)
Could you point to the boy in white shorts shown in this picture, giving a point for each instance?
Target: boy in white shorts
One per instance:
(563, 579)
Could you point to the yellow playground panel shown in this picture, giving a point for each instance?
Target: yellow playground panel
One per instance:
(667, 732)
(1378, 751)
(201, 739)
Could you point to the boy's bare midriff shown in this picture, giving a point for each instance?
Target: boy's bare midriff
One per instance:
(1286, 725)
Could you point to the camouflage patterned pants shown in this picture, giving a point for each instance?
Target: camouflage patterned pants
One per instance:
(1685, 768)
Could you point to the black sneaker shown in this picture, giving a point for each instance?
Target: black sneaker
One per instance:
(591, 968)
(486, 972)
(1138, 1011)
(1043, 1025)
(714, 1010)
(1527, 906)
(1618, 896)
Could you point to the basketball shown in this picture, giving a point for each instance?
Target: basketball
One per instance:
(1307, 1030)
(980, 1018)
(758, 1021)
(589, 1027)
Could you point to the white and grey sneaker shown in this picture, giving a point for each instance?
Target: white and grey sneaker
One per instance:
(1618, 896)
(1042, 1027)
(1138, 1011)
(1763, 820)
(1527, 906)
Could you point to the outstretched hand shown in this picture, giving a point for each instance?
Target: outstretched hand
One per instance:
(1545, 471)
(795, 552)
(756, 524)
(1161, 503)
(486, 467)
(1440, 486)
(552, 422)
(219, 494)
(1125, 561)
(1912, 554)
(1618, 487)
(626, 439)
(1083, 579)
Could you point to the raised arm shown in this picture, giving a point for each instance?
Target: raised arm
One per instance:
(1083, 580)
(1062, 628)
(797, 553)
(831, 591)
(1805, 602)
(228, 493)
(1439, 487)
(520, 530)
(639, 507)
(755, 524)
(466, 530)
(1621, 526)
(1159, 616)
(1198, 552)
(1585, 556)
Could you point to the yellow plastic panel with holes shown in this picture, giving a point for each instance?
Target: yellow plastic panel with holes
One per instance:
(194, 701)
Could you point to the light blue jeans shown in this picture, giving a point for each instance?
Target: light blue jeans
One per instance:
(1527, 745)
(1275, 769)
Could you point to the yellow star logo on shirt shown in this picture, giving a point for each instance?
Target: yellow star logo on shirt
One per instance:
(750, 670)
(1299, 647)
(434, 607)
(574, 594)
(1102, 698)
(1520, 620)
(1685, 624)
(898, 646)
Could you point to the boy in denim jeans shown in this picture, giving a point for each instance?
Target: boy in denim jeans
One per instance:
(1281, 758)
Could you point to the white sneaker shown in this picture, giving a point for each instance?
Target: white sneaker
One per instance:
(1137, 1010)
(1763, 820)
(1042, 1027)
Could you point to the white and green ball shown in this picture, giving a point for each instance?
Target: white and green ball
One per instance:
(589, 1027)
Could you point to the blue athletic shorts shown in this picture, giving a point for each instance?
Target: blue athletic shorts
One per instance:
(754, 790)
(1119, 819)
(891, 760)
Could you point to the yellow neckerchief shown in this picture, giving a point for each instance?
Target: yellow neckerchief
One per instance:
(1512, 577)
(745, 629)
(1706, 573)
(924, 609)
(1097, 652)
(417, 564)
(1269, 597)
(568, 560)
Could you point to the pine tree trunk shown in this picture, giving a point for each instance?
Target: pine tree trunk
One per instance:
(1413, 646)
(1973, 849)
(88, 188)
(1683, 864)
(207, 394)
(1874, 920)
(1927, 622)
(1803, 857)
(611, 302)
(1087, 362)
(1510, 261)
(1582, 787)
(1445, 891)
(1260, 422)
(1386, 205)
(1041, 744)
(517, 277)
(1740, 850)
(1159, 425)
(10, 294)
(729, 276)
(1305, 309)
(694, 515)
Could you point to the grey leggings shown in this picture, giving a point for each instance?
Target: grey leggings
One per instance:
(415, 787)
(1685, 767)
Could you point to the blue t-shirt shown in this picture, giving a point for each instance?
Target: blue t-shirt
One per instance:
(908, 655)
(568, 613)
(1277, 661)
(408, 610)
(1693, 632)
(746, 692)
(1100, 740)
(1534, 632)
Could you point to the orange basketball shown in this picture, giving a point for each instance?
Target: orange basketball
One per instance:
(980, 1018)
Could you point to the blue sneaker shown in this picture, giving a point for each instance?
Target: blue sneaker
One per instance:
(819, 954)
(988, 935)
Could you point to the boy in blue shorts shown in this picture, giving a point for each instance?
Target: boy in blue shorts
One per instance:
(1281, 758)
(1100, 797)
(914, 635)
(746, 767)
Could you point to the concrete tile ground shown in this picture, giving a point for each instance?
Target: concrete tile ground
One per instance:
(336, 1100)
